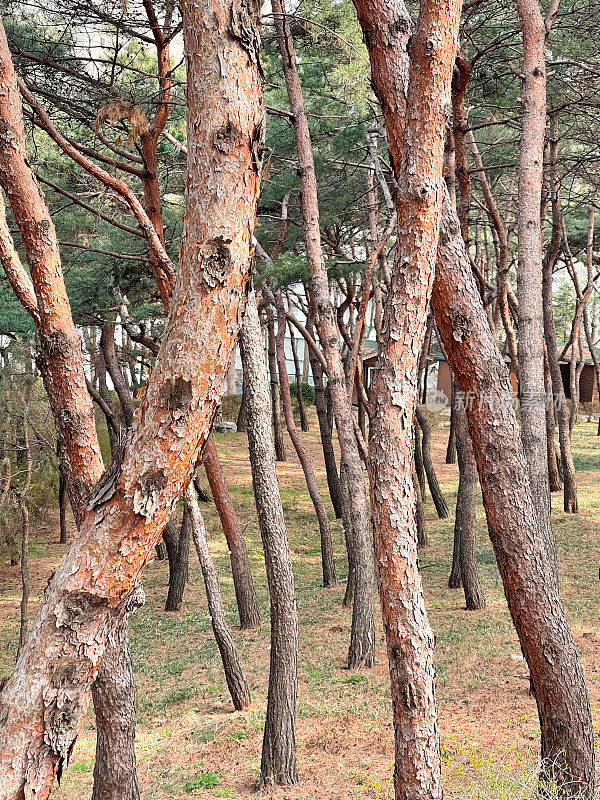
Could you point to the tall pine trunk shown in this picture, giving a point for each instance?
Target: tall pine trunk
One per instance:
(327, 560)
(362, 638)
(278, 762)
(530, 344)
(417, 149)
(561, 694)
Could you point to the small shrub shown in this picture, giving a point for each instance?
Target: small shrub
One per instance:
(205, 780)
(308, 393)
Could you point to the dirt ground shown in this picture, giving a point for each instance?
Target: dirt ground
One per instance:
(191, 744)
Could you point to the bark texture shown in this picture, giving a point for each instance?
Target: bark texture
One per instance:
(113, 693)
(570, 502)
(416, 140)
(274, 383)
(278, 762)
(178, 549)
(561, 692)
(560, 688)
(439, 502)
(530, 345)
(464, 524)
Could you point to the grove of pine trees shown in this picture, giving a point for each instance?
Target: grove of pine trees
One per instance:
(219, 211)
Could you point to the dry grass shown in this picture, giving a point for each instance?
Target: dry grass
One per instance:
(190, 744)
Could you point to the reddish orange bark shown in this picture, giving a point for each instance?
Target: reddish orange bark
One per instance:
(43, 703)
(45, 296)
(417, 146)
(561, 692)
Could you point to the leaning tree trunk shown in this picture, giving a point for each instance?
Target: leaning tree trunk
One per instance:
(241, 417)
(362, 638)
(333, 479)
(419, 513)
(530, 345)
(554, 479)
(274, 383)
(451, 448)
(236, 683)
(561, 694)
(466, 502)
(298, 372)
(434, 486)
(62, 508)
(327, 560)
(278, 762)
(245, 593)
(567, 747)
(131, 506)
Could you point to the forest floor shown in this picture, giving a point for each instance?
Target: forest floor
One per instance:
(191, 744)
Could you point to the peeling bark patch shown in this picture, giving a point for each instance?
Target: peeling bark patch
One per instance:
(146, 496)
(227, 138)
(79, 607)
(43, 227)
(65, 674)
(60, 724)
(245, 26)
(52, 343)
(217, 262)
(462, 326)
(107, 483)
(258, 145)
(177, 395)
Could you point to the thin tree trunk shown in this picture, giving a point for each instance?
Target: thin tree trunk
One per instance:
(419, 468)
(24, 513)
(455, 579)
(554, 478)
(111, 359)
(362, 638)
(451, 448)
(466, 502)
(327, 560)
(301, 410)
(241, 417)
(245, 593)
(278, 762)
(558, 393)
(63, 499)
(238, 687)
(592, 348)
(333, 479)
(179, 562)
(434, 487)
(275, 395)
(530, 345)
(419, 513)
